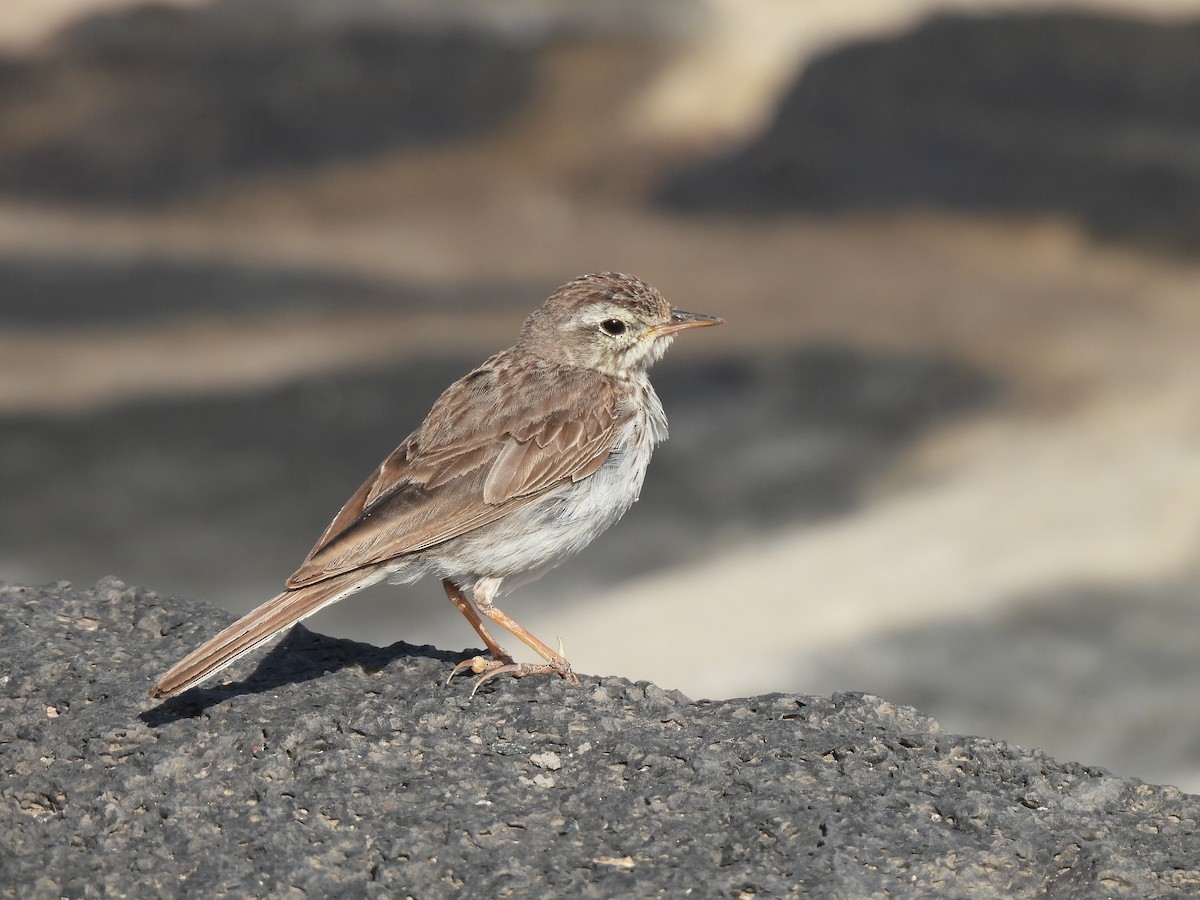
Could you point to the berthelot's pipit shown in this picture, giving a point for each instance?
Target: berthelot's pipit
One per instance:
(519, 464)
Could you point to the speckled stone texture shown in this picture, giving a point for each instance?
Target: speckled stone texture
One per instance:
(325, 767)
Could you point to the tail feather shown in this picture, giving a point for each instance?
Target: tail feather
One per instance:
(259, 626)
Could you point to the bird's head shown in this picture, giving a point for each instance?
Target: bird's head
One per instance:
(616, 324)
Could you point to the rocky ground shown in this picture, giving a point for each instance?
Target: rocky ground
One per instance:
(327, 766)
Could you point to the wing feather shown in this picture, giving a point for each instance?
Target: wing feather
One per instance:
(489, 445)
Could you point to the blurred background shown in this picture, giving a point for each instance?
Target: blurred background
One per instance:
(946, 449)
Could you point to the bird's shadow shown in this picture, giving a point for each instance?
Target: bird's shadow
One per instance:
(301, 656)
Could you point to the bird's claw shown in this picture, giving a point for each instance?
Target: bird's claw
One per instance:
(476, 664)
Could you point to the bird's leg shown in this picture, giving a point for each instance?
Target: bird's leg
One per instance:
(556, 663)
(477, 664)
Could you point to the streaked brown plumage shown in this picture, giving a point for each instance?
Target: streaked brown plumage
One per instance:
(519, 464)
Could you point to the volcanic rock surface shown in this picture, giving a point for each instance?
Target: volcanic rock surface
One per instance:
(327, 766)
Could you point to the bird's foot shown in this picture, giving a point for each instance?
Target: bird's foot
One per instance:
(488, 669)
(520, 670)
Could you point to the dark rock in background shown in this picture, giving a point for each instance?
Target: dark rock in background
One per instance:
(155, 102)
(1092, 117)
(331, 767)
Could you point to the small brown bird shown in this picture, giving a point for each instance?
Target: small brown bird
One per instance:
(519, 464)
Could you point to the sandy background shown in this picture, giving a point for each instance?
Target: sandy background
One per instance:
(947, 455)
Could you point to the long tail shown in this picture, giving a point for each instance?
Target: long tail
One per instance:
(258, 626)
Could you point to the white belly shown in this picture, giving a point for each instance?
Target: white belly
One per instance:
(531, 540)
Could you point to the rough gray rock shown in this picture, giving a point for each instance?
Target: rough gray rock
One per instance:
(329, 767)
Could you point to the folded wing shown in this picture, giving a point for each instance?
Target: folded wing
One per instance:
(480, 453)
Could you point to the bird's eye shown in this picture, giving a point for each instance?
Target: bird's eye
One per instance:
(613, 326)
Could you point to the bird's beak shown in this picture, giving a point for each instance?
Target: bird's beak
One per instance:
(681, 320)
